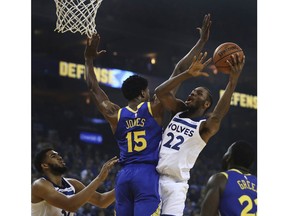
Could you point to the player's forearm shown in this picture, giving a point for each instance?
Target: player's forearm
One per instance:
(84, 195)
(171, 84)
(107, 199)
(92, 82)
(90, 75)
(185, 62)
(223, 104)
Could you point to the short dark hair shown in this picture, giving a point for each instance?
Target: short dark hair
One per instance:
(133, 85)
(243, 154)
(39, 157)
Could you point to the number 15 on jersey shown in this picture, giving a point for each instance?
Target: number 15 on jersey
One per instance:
(137, 137)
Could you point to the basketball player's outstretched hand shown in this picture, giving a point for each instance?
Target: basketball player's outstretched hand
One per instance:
(205, 29)
(236, 65)
(91, 50)
(198, 65)
(107, 167)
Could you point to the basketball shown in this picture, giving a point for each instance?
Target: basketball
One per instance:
(223, 52)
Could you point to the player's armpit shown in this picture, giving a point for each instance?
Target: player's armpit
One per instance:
(209, 128)
(109, 108)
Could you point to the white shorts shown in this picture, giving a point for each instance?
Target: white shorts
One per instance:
(173, 195)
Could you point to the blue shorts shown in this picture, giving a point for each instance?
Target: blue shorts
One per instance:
(137, 190)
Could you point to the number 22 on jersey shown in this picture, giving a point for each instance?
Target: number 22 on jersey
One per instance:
(136, 137)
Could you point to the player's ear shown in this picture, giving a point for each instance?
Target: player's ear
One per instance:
(143, 93)
(207, 104)
(44, 166)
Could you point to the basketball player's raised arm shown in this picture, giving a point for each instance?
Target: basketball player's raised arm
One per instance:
(163, 92)
(212, 125)
(185, 62)
(105, 106)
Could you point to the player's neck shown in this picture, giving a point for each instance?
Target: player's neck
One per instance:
(241, 169)
(192, 114)
(56, 179)
(134, 103)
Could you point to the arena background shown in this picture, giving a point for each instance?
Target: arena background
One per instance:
(133, 32)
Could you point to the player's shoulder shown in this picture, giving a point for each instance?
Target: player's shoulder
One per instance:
(39, 181)
(41, 184)
(218, 178)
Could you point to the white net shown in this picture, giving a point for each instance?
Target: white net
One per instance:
(77, 16)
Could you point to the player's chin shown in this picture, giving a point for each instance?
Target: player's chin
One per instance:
(189, 104)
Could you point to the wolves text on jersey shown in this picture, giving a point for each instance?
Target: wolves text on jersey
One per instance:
(181, 129)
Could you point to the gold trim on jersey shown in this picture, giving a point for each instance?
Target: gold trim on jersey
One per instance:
(135, 111)
(149, 108)
(119, 113)
(139, 105)
(157, 212)
(236, 170)
(131, 110)
(225, 174)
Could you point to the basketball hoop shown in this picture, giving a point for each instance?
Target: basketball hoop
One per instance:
(77, 16)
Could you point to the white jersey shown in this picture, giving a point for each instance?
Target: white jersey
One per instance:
(180, 146)
(45, 209)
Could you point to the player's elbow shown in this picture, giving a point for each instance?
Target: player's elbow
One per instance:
(71, 208)
(161, 95)
(158, 91)
(103, 205)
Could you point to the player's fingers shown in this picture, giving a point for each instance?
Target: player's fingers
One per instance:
(207, 62)
(194, 60)
(204, 20)
(243, 59)
(111, 159)
(204, 74)
(101, 52)
(203, 57)
(200, 56)
(231, 66)
(233, 60)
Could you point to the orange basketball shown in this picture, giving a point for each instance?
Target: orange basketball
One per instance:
(223, 52)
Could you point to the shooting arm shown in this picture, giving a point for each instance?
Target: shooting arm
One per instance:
(212, 125)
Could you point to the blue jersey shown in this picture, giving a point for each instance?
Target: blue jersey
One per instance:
(240, 194)
(138, 135)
